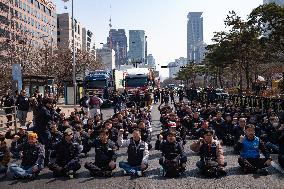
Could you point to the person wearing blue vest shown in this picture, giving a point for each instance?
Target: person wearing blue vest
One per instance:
(250, 147)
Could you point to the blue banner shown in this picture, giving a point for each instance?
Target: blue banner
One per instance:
(17, 75)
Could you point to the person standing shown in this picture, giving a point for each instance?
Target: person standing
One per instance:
(84, 103)
(43, 122)
(7, 102)
(94, 105)
(117, 102)
(23, 104)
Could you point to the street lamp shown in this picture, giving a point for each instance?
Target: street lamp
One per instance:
(74, 55)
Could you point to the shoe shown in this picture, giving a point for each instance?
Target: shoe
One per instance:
(108, 174)
(132, 172)
(16, 177)
(70, 174)
(125, 173)
(222, 172)
(263, 172)
(3, 175)
(139, 173)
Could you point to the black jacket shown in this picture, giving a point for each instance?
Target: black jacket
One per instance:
(168, 149)
(8, 101)
(43, 119)
(66, 152)
(23, 103)
(32, 154)
(104, 153)
(135, 152)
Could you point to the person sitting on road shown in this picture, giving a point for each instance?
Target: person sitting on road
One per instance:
(105, 156)
(145, 133)
(171, 127)
(211, 161)
(4, 156)
(249, 147)
(239, 130)
(138, 154)
(281, 140)
(67, 156)
(33, 154)
(173, 159)
(19, 138)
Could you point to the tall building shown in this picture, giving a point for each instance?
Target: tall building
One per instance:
(87, 40)
(64, 32)
(117, 41)
(195, 45)
(278, 2)
(174, 67)
(107, 57)
(151, 61)
(137, 46)
(34, 20)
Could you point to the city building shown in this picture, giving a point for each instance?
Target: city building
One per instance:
(175, 66)
(107, 57)
(137, 46)
(87, 40)
(195, 46)
(278, 2)
(64, 32)
(151, 61)
(117, 41)
(32, 20)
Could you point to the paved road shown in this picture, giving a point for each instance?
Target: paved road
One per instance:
(191, 179)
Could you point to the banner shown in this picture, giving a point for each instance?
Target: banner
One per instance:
(17, 75)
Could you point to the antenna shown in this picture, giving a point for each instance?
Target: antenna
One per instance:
(110, 26)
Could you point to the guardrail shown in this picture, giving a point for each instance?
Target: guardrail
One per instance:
(14, 118)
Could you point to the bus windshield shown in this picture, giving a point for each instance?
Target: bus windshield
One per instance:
(96, 84)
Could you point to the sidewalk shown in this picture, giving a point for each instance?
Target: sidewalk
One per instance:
(67, 109)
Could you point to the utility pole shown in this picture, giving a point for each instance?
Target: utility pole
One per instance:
(74, 54)
(74, 57)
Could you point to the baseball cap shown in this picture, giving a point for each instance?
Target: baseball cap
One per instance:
(172, 124)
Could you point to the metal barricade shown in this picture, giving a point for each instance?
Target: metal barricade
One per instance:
(14, 118)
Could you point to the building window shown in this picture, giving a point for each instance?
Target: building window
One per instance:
(58, 40)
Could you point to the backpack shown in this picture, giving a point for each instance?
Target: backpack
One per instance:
(172, 167)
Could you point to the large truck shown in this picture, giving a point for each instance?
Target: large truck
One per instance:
(137, 79)
(102, 81)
